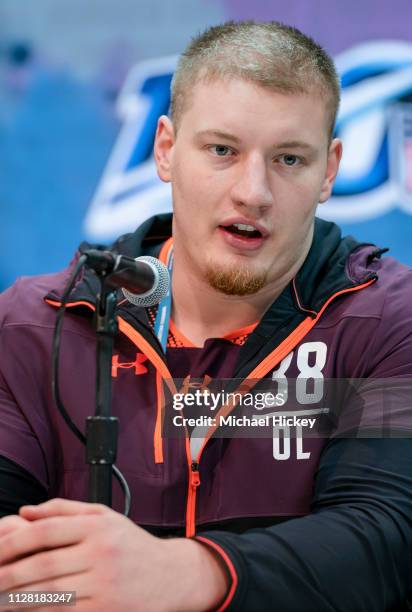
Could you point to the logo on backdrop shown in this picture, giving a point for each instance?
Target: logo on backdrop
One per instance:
(375, 123)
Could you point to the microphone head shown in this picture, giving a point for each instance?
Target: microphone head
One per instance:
(160, 285)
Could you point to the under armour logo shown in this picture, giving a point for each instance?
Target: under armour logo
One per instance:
(188, 384)
(137, 365)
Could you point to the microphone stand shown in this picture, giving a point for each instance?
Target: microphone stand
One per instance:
(102, 429)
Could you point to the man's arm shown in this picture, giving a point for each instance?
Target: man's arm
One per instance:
(353, 553)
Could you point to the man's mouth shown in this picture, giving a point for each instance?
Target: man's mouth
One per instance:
(241, 229)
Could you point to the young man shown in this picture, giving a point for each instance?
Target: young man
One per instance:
(260, 289)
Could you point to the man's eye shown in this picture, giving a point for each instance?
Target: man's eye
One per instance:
(221, 150)
(290, 160)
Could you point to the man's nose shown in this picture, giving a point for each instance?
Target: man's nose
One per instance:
(252, 188)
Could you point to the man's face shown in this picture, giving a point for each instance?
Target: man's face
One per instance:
(248, 167)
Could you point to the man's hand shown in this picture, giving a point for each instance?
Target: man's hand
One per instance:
(112, 564)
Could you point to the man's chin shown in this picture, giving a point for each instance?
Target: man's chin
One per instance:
(235, 281)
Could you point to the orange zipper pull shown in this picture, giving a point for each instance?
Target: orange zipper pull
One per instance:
(194, 475)
(194, 482)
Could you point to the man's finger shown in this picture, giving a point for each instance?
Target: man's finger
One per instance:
(60, 507)
(49, 564)
(44, 534)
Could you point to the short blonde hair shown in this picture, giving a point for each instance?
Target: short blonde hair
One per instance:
(273, 55)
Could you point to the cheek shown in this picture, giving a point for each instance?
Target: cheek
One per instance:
(305, 194)
(296, 207)
(188, 211)
(196, 203)
(294, 213)
(189, 184)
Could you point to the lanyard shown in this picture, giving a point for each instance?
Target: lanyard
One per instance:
(162, 322)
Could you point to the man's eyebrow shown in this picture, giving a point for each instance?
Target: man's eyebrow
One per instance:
(219, 134)
(295, 144)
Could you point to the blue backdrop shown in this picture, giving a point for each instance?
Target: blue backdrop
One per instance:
(79, 100)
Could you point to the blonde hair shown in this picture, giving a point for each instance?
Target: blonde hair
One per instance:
(272, 55)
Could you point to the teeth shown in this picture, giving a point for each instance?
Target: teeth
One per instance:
(245, 228)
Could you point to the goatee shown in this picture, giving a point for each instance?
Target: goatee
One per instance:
(235, 281)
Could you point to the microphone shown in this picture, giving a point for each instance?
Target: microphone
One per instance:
(144, 281)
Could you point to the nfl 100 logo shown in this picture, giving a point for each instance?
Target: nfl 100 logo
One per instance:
(374, 122)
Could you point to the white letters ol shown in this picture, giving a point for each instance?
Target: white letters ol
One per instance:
(281, 444)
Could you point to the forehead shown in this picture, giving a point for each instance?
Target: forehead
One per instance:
(245, 109)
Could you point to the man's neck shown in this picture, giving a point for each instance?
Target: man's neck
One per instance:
(201, 312)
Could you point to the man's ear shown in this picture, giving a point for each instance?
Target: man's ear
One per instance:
(332, 167)
(163, 148)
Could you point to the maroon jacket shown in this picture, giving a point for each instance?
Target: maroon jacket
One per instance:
(347, 314)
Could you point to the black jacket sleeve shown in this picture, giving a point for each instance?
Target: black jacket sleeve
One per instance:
(17, 488)
(353, 553)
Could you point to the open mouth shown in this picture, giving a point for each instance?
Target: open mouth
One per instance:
(240, 229)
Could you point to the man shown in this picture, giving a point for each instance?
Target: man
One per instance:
(260, 289)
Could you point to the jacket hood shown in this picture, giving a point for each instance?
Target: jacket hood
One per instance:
(331, 265)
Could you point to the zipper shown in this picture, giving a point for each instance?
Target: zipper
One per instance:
(194, 483)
